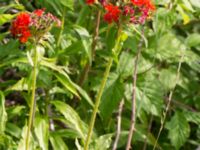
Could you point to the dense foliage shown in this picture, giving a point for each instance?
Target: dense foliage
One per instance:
(71, 61)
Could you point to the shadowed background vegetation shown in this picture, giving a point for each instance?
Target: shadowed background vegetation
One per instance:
(171, 48)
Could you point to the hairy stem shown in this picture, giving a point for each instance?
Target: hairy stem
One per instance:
(33, 102)
(97, 102)
(169, 101)
(116, 49)
(133, 106)
(118, 124)
(94, 42)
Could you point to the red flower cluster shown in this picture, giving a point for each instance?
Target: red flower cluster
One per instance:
(145, 3)
(136, 11)
(39, 12)
(112, 13)
(89, 2)
(20, 27)
(37, 23)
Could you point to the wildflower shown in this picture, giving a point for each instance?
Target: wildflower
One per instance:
(36, 23)
(20, 27)
(90, 2)
(39, 12)
(112, 14)
(144, 3)
(138, 2)
(128, 11)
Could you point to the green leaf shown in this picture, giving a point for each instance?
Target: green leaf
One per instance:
(164, 20)
(21, 85)
(66, 133)
(3, 116)
(14, 111)
(168, 78)
(147, 96)
(67, 3)
(187, 5)
(179, 130)
(192, 116)
(13, 129)
(11, 48)
(125, 65)
(169, 48)
(22, 142)
(61, 76)
(64, 79)
(42, 131)
(73, 48)
(103, 142)
(185, 16)
(72, 119)
(111, 97)
(85, 39)
(68, 84)
(5, 8)
(57, 143)
(195, 3)
(5, 18)
(193, 40)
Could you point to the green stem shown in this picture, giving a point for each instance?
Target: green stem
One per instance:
(100, 92)
(105, 77)
(62, 26)
(33, 102)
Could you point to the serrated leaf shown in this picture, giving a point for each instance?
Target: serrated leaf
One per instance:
(192, 117)
(103, 142)
(179, 130)
(125, 65)
(111, 97)
(168, 78)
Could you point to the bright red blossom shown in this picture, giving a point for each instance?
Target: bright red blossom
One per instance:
(112, 14)
(39, 12)
(90, 2)
(37, 23)
(20, 27)
(145, 3)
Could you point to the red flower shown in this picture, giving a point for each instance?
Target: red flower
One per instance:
(39, 12)
(112, 14)
(90, 2)
(145, 3)
(138, 2)
(20, 27)
(26, 34)
(127, 10)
